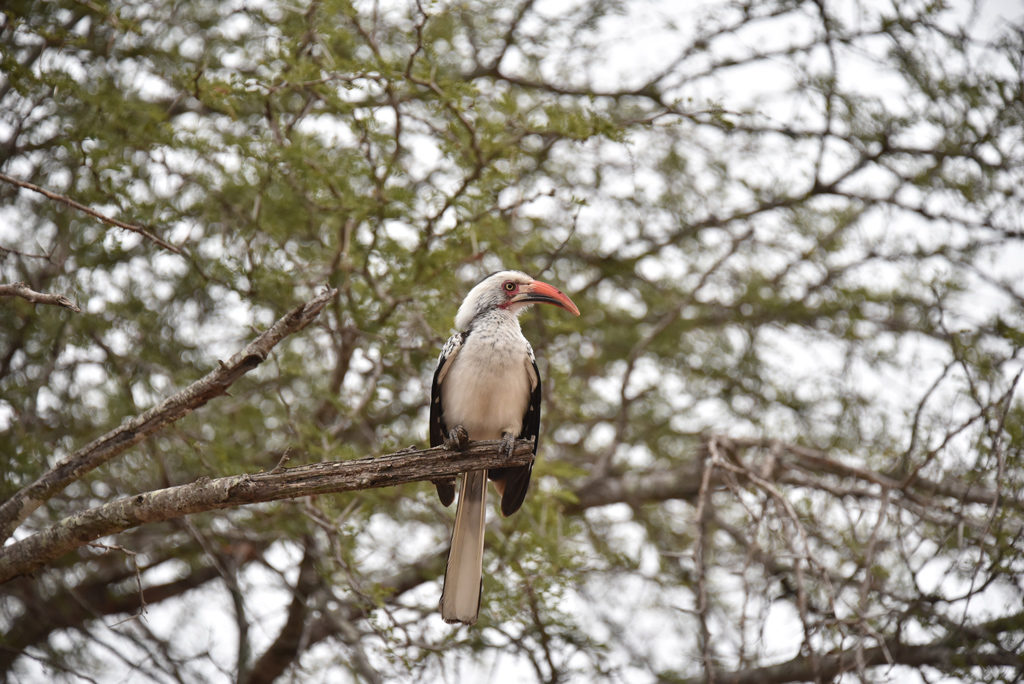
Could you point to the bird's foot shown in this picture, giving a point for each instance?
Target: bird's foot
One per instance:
(508, 444)
(457, 439)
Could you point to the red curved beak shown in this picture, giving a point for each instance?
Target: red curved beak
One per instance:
(537, 291)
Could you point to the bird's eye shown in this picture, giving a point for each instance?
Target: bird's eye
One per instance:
(509, 286)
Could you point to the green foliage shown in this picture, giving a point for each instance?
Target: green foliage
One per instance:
(823, 262)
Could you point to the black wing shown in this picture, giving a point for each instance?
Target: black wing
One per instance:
(517, 479)
(438, 429)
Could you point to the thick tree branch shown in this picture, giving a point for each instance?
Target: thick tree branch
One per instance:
(25, 292)
(642, 487)
(329, 477)
(132, 431)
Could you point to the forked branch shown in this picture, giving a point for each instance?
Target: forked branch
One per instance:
(133, 430)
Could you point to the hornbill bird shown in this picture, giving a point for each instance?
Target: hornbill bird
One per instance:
(486, 386)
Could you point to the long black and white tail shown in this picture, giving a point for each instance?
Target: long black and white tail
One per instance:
(460, 599)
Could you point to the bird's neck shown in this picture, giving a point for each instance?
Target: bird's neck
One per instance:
(495, 320)
(496, 325)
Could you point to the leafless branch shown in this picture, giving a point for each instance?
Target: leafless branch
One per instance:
(133, 430)
(288, 644)
(701, 516)
(205, 494)
(101, 594)
(660, 484)
(138, 576)
(829, 666)
(25, 292)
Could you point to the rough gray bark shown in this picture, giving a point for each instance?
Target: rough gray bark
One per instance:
(205, 494)
(28, 294)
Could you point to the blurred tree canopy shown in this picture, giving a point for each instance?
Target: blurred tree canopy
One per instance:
(785, 442)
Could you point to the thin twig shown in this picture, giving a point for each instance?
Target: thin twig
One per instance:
(700, 544)
(138, 577)
(91, 212)
(4, 251)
